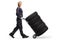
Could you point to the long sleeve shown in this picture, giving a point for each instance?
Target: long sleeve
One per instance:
(19, 12)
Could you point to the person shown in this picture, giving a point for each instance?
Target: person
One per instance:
(19, 14)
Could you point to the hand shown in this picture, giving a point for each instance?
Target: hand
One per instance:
(22, 18)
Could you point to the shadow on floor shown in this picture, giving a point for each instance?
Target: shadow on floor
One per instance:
(43, 37)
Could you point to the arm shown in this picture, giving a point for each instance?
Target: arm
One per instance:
(19, 12)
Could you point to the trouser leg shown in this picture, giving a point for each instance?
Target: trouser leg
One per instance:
(21, 28)
(14, 30)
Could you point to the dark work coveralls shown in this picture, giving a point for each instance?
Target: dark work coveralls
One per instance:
(19, 21)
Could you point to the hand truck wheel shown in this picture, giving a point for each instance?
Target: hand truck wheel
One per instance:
(34, 36)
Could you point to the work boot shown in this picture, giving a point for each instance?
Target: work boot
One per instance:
(25, 36)
(11, 35)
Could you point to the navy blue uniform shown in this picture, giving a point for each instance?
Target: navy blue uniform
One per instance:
(19, 14)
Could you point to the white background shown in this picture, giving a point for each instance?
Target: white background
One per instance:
(49, 10)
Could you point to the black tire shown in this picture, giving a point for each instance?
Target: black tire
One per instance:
(37, 24)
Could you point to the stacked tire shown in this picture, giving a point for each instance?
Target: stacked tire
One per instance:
(36, 23)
